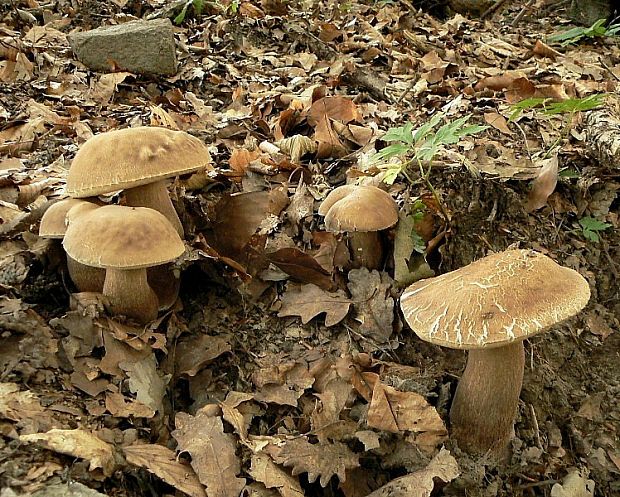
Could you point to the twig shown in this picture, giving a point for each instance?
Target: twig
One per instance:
(536, 428)
(522, 13)
(492, 9)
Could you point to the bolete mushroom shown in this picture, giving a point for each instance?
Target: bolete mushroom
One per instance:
(489, 307)
(361, 211)
(125, 241)
(54, 225)
(137, 160)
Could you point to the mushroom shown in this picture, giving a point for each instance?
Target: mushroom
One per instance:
(137, 160)
(54, 225)
(125, 241)
(362, 211)
(489, 307)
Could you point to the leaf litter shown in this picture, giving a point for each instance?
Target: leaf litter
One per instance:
(262, 392)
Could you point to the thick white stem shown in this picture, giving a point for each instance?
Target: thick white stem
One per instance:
(485, 404)
(155, 196)
(129, 294)
(85, 278)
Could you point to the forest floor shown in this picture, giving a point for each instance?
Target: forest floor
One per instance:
(279, 371)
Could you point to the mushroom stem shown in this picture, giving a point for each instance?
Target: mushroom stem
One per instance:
(486, 399)
(366, 249)
(155, 195)
(129, 294)
(85, 278)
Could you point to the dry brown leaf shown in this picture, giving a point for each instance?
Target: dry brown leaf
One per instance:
(498, 122)
(322, 460)
(394, 411)
(281, 381)
(543, 185)
(24, 408)
(106, 85)
(301, 266)
(162, 462)
(370, 292)
(420, 484)
(339, 108)
(264, 470)
(118, 405)
(212, 451)
(193, 353)
(234, 415)
(297, 146)
(308, 301)
(78, 443)
(145, 382)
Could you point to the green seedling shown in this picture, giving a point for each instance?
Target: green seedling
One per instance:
(417, 210)
(196, 5)
(419, 147)
(591, 227)
(567, 108)
(575, 35)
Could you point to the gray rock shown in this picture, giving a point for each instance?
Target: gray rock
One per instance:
(141, 47)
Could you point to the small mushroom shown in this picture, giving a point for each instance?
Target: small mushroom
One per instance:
(361, 211)
(54, 225)
(125, 241)
(137, 160)
(489, 307)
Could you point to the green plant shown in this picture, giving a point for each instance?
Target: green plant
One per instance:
(575, 35)
(196, 5)
(419, 147)
(547, 107)
(591, 227)
(417, 210)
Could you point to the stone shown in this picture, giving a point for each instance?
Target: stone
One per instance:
(140, 47)
(72, 489)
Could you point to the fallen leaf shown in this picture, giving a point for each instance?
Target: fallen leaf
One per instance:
(193, 353)
(145, 382)
(370, 292)
(239, 420)
(574, 484)
(297, 146)
(308, 301)
(322, 460)
(78, 443)
(543, 185)
(212, 451)
(264, 470)
(301, 266)
(420, 484)
(118, 405)
(163, 463)
(498, 122)
(396, 411)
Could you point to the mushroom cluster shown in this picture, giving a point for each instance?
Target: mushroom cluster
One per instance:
(137, 161)
(488, 308)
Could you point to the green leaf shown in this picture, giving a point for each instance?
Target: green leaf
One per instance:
(590, 228)
(402, 134)
(525, 104)
(393, 150)
(423, 130)
(181, 16)
(573, 105)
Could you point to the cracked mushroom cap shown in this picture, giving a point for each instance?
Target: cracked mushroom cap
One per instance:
(359, 208)
(53, 223)
(493, 301)
(122, 237)
(132, 157)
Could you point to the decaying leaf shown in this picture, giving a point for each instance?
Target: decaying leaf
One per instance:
(543, 185)
(145, 382)
(322, 460)
(23, 408)
(308, 301)
(370, 291)
(574, 484)
(238, 417)
(393, 410)
(78, 443)
(420, 484)
(282, 381)
(194, 352)
(163, 463)
(212, 451)
(301, 266)
(118, 405)
(264, 470)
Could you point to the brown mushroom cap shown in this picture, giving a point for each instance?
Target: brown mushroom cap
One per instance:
(131, 157)
(122, 237)
(493, 301)
(359, 208)
(53, 221)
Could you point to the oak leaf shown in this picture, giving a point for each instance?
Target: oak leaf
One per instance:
(322, 460)
(162, 462)
(264, 470)
(308, 301)
(212, 451)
